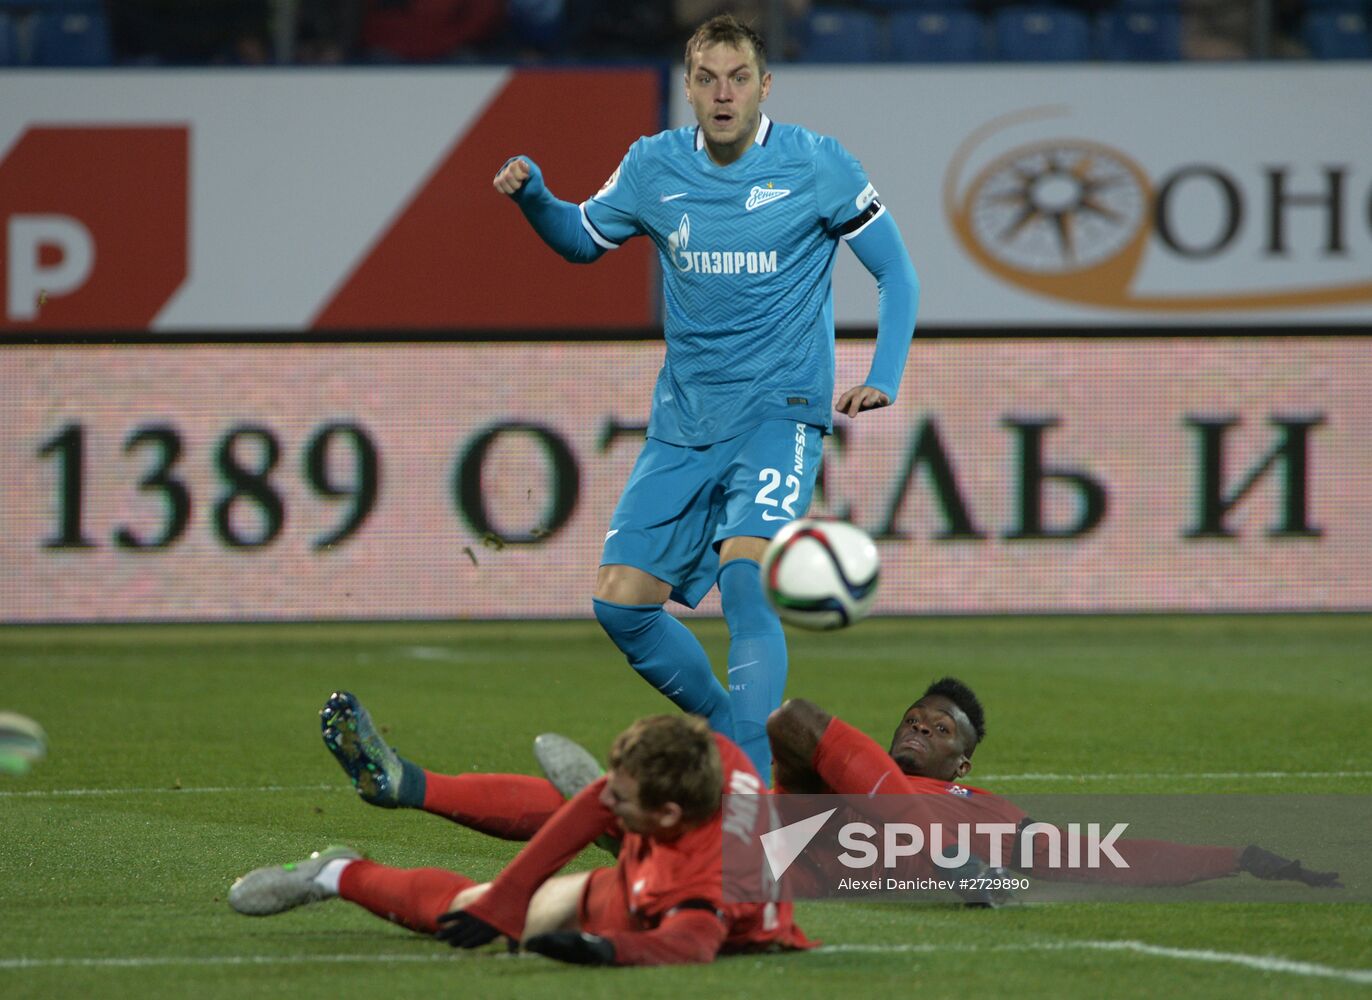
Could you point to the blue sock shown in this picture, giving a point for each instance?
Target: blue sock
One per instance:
(757, 659)
(669, 657)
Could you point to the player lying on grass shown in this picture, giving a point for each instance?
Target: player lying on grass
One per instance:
(931, 752)
(663, 901)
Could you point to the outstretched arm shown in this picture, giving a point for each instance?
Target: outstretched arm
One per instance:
(879, 246)
(503, 908)
(558, 223)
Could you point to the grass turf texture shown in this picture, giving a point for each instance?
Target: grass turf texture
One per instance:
(205, 742)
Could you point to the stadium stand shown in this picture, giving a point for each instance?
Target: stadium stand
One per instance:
(54, 33)
(250, 32)
(1139, 35)
(9, 42)
(839, 35)
(539, 24)
(71, 36)
(896, 6)
(937, 35)
(1041, 33)
(1337, 34)
(1173, 6)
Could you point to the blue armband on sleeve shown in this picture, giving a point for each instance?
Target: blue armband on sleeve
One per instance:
(882, 251)
(558, 223)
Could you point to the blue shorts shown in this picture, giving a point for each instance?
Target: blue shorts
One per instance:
(681, 502)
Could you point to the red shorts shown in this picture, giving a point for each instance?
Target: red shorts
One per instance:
(604, 907)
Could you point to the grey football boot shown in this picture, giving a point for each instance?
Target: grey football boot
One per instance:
(277, 888)
(571, 767)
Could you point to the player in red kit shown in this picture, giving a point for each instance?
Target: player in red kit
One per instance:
(663, 902)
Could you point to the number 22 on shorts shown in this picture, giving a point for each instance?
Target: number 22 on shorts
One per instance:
(771, 482)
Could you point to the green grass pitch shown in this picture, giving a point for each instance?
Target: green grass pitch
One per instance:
(182, 756)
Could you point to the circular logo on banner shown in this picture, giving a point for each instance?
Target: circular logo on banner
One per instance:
(1071, 219)
(1058, 207)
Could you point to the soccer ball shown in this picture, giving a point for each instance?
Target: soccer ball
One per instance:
(22, 743)
(821, 574)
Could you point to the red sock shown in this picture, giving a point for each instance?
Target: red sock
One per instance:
(413, 897)
(510, 806)
(851, 763)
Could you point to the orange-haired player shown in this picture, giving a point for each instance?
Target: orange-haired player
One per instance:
(663, 902)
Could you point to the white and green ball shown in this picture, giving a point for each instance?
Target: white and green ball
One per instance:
(22, 743)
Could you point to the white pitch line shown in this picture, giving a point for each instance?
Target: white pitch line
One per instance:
(58, 793)
(150, 961)
(438, 653)
(988, 778)
(1258, 963)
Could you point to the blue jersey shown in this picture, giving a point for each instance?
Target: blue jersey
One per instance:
(747, 253)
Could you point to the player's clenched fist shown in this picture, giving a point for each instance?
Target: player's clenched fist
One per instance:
(512, 176)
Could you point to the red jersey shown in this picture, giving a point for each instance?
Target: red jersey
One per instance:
(851, 763)
(658, 876)
(673, 891)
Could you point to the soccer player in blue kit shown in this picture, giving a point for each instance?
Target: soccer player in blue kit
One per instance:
(747, 215)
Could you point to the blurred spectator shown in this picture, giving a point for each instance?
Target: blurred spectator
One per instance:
(326, 31)
(1224, 29)
(172, 32)
(1215, 29)
(429, 30)
(314, 32)
(658, 29)
(622, 29)
(537, 25)
(781, 42)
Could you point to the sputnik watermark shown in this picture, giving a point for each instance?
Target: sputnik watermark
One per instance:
(918, 884)
(1041, 845)
(964, 884)
(1059, 849)
(798, 846)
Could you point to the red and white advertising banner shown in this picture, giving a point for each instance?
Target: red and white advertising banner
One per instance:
(286, 202)
(355, 199)
(194, 482)
(1094, 195)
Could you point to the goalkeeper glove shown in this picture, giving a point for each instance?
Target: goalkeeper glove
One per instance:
(573, 947)
(463, 930)
(1266, 865)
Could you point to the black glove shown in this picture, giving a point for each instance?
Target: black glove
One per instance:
(574, 947)
(1266, 865)
(462, 930)
(977, 896)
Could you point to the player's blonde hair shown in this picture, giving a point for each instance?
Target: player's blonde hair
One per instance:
(726, 29)
(674, 759)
